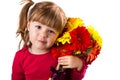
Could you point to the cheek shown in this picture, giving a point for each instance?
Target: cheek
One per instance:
(32, 35)
(52, 40)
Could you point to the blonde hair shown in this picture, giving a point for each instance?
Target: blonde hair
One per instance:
(45, 12)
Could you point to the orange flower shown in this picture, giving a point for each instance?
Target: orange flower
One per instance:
(93, 53)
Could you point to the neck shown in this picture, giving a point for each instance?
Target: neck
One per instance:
(38, 51)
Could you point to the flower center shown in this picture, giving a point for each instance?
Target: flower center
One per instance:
(79, 39)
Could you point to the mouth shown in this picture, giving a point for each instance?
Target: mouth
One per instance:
(42, 41)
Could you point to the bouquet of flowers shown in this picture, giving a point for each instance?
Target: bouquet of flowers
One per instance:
(77, 40)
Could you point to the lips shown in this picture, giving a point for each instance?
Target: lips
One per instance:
(42, 41)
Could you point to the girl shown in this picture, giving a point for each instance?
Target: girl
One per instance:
(39, 26)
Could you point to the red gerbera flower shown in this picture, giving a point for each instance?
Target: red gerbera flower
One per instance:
(80, 38)
(62, 50)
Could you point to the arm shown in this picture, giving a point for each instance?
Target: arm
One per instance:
(17, 71)
(79, 74)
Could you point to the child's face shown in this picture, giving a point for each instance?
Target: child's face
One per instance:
(41, 36)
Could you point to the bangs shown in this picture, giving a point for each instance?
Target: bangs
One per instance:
(49, 17)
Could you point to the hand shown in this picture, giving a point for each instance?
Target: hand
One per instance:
(70, 62)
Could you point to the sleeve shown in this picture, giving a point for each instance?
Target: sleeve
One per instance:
(17, 70)
(78, 75)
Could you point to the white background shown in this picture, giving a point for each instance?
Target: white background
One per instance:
(104, 15)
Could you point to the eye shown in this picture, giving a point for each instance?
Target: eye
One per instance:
(38, 27)
(51, 31)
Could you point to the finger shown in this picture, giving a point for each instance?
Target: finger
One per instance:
(63, 62)
(66, 66)
(63, 57)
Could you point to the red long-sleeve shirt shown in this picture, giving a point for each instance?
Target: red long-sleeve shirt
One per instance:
(27, 66)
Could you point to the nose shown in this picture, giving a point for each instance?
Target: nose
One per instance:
(43, 34)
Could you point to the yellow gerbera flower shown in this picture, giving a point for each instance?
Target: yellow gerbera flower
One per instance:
(65, 38)
(74, 23)
(90, 29)
(98, 38)
(95, 35)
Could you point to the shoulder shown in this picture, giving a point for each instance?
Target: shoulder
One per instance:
(21, 53)
(24, 48)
